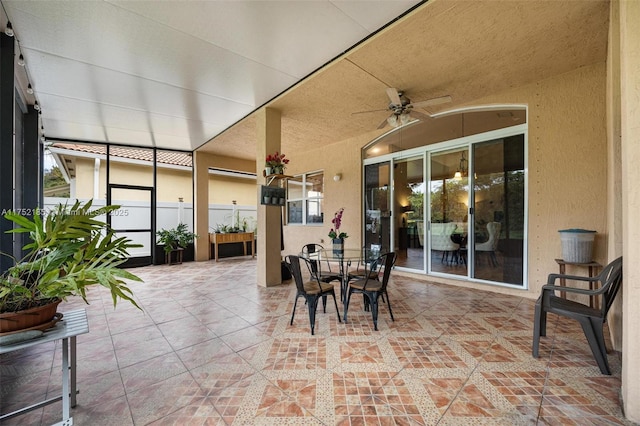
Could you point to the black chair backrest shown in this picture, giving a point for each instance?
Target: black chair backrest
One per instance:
(311, 248)
(385, 261)
(611, 279)
(389, 260)
(293, 263)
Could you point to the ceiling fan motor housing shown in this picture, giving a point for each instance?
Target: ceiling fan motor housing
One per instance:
(404, 107)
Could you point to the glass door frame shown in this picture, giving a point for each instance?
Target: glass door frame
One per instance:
(397, 211)
(139, 261)
(454, 148)
(464, 142)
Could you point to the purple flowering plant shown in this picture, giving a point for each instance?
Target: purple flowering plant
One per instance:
(335, 233)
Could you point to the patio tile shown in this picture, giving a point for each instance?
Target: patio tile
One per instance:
(227, 354)
(146, 373)
(154, 402)
(214, 350)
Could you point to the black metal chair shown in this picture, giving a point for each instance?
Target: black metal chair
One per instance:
(363, 267)
(373, 288)
(591, 319)
(315, 266)
(311, 291)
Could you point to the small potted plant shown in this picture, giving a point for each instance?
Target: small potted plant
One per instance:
(175, 240)
(275, 164)
(70, 250)
(337, 237)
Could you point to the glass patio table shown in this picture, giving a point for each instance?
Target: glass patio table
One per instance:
(344, 258)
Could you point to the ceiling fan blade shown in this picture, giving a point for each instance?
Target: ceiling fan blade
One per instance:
(431, 102)
(393, 95)
(371, 110)
(384, 123)
(419, 115)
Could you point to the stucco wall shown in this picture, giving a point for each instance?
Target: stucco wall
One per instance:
(567, 165)
(223, 190)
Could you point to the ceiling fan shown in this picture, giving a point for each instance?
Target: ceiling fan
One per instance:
(401, 106)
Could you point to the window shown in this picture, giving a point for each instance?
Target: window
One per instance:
(304, 199)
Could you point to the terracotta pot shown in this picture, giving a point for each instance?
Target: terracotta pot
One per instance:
(29, 319)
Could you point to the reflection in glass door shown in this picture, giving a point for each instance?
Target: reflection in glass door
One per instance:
(499, 197)
(449, 198)
(409, 192)
(377, 206)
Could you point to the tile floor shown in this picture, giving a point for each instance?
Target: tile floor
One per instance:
(212, 348)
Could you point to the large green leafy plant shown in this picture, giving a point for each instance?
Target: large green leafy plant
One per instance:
(178, 237)
(69, 251)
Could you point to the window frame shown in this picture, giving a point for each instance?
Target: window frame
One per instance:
(305, 199)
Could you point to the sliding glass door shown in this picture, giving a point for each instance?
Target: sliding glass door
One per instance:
(408, 223)
(460, 214)
(499, 210)
(449, 201)
(377, 206)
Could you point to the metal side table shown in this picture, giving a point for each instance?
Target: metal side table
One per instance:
(72, 324)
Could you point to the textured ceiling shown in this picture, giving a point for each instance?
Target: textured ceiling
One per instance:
(173, 74)
(465, 49)
(177, 74)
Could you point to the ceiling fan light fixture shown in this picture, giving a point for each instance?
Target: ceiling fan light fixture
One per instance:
(405, 118)
(393, 120)
(462, 168)
(464, 164)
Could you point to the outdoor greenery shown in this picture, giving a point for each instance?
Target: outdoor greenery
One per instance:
(178, 237)
(53, 180)
(503, 194)
(246, 224)
(69, 251)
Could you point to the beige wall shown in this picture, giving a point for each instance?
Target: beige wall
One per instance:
(172, 183)
(614, 172)
(84, 179)
(223, 190)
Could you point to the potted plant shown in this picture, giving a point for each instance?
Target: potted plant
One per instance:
(175, 239)
(275, 164)
(337, 237)
(219, 228)
(70, 250)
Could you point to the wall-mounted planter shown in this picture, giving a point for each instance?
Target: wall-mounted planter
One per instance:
(272, 196)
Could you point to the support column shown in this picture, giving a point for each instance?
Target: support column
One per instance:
(201, 204)
(30, 172)
(7, 159)
(269, 217)
(630, 125)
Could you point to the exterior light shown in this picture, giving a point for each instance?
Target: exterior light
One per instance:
(9, 29)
